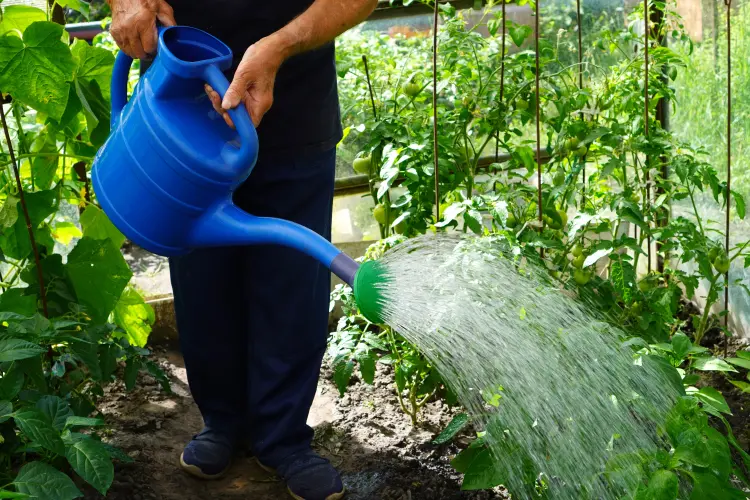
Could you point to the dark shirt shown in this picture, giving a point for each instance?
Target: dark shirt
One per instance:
(305, 115)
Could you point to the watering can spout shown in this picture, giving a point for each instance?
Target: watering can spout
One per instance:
(225, 224)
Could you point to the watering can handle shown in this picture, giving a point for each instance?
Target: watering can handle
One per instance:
(119, 85)
(240, 116)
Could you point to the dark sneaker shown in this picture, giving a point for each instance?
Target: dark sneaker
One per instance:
(208, 455)
(309, 476)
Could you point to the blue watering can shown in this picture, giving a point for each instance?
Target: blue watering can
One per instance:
(166, 174)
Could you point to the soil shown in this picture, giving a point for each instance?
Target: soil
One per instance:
(364, 434)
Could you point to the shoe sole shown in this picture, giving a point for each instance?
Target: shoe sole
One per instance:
(195, 471)
(333, 496)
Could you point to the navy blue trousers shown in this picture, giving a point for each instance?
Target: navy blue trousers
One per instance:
(253, 321)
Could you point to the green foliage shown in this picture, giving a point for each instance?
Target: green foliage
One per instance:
(59, 349)
(604, 196)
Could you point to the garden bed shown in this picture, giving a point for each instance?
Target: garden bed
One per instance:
(364, 434)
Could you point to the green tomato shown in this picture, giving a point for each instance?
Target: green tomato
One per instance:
(721, 263)
(645, 285)
(577, 251)
(582, 149)
(559, 178)
(578, 261)
(563, 217)
(412, 89)
(400, 227)
(572, 143)
(637, 308)
(511, 221)
(713, 253)
(582, 277)
(362, 165)
(379, 213)
(522, 104)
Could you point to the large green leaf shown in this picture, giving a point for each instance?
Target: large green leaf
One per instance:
(663, 485)
(44, 482)
(56, 409)
(691, 448)
(15, 349)
(96, 225)
(37, 70)
(712, 364)
(91, 461)
(134, 316)
(16, 18)
(710, 396)
(99, 275)
(93, 64)
(38, 428)
(720, 459)
(14, 300)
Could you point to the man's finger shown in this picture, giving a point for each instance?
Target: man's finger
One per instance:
(215, 99)
(165, 15)
(148, 40)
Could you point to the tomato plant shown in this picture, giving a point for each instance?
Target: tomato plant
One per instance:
(623, 219)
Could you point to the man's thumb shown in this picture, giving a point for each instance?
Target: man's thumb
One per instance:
(234, 93)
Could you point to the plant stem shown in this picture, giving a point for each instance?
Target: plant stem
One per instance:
(695, 211)
(706, 310)
(29, 227)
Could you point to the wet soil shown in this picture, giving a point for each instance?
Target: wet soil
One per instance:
(364, 434)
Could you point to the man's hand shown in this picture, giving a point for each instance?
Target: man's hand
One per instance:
(253, 82)
(134, 25)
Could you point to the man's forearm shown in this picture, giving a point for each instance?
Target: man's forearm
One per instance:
(322, 22)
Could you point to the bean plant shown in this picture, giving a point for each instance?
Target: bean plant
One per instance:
(619, 222)
(70, 322)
